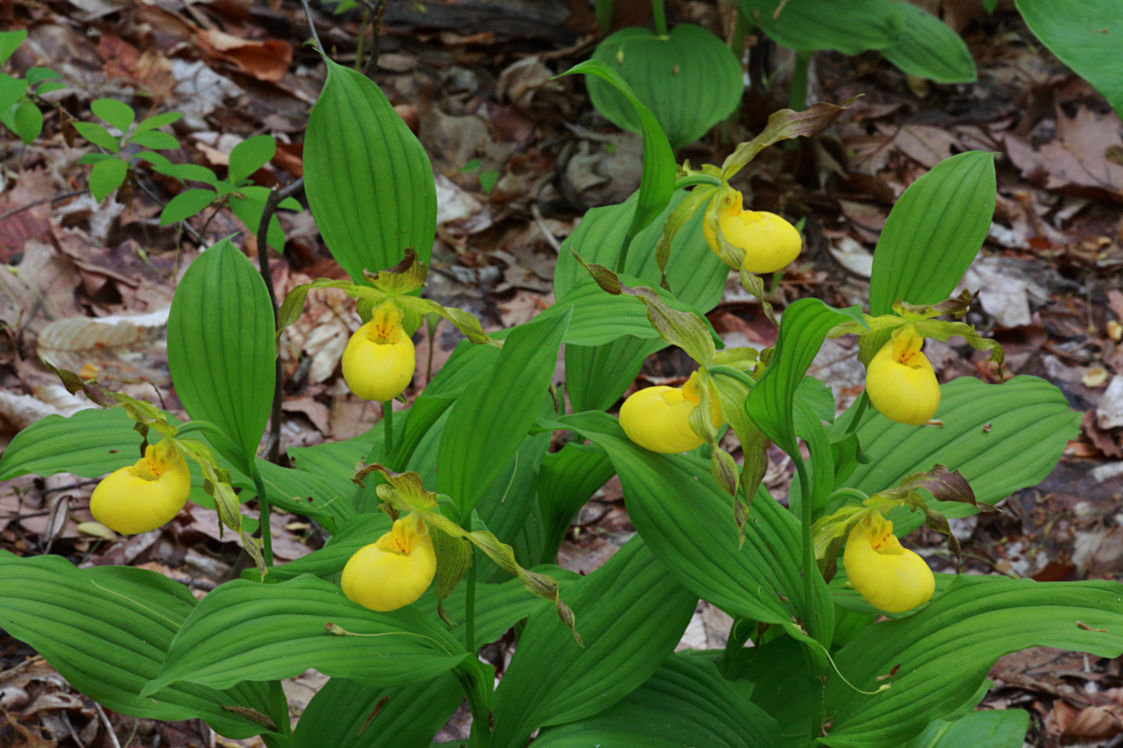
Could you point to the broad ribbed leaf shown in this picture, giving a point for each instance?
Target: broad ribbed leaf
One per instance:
(508, 508)
(89, 443)
(1085, 35)
(852, 27)
(467, 362)
(349, 714)
(687, 522)
(220, 345)
(657, 180)
(1002, 437)
(630, 614)
(568, 478)
(688, 79)
(1000, 728)
(928, 48)
(939, 656)
(934, 232)
(803, 329)
(327, 499)
(596, 377)
(328, 562)
(685, 703)
(251, 631)
(106, 630)
(369, 183)
(491, 418)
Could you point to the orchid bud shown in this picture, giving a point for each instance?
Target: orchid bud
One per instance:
(146, 495)
(393, 571)
(379, 359)
(888, 576)
(658, 418)
(769, 242)
(900, 380)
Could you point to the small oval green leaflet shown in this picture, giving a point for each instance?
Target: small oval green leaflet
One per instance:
(220, 346)
(688, 79)
(369, 182)
(934, 232)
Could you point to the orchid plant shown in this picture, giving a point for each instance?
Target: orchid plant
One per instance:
(446, 518)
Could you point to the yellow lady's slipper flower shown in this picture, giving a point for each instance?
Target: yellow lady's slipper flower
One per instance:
(770, 243)
(148, 494)
(889, 577)
(658, 418)
(393, 571)
(900, 380)
(379, 359)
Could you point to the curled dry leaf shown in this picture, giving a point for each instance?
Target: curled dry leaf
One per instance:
(117, 347)
(268, 60)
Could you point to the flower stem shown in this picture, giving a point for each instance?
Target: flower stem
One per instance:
(387, 430)
(859, 411)
(263, 509)
(660, 14)
(470, 599)
(797, 97)
(811, 617)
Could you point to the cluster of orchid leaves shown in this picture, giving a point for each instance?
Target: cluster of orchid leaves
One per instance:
(496, 458)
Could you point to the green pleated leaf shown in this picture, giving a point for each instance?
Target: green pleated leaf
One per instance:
(490, 419)
(928, 48)
(328, 562)
(685, 703)
(941, 655)
(657, 180)
(106, 630)
(369, 183)
(1085, 35)
(551, 680)
(934, 232)
(349, 714)
(596, 376)
(1000, 728)
(248, 631)
(327, 499)
(687, 522)
(220, 345)
(688, 79)
(808, 25)
(1002, 437)
(89, 443)
(467, 363)
(567, 479)
(803, 329)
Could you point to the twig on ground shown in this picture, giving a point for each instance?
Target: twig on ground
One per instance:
(108, 725)
(42, 201)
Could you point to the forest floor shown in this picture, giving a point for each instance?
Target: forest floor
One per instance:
(519, 157)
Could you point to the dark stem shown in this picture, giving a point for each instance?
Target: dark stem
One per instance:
(312, 26)
(273, 449)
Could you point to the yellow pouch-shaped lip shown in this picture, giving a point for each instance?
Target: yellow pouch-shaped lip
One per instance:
(890, 577)
(145, 495)
(770, 243)
(658, 418)
(395, 570)
(900, 380)
(379, 359)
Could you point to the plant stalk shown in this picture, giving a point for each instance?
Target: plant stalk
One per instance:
(811, 620)
(470, 599)
(387, 430)
(797, 97)
(660, 14)
(263, 510)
